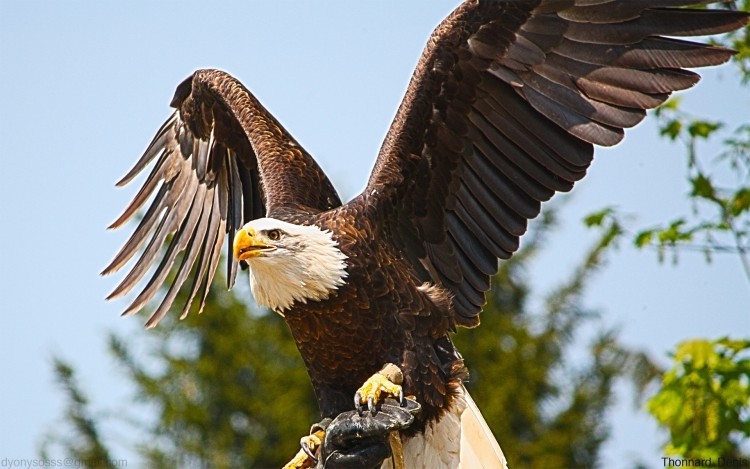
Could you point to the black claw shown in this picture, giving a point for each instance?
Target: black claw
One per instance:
(307, 451)
(357, 403)
(401, 401)
(371, 405)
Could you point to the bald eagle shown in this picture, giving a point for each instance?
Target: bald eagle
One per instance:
(503, 110)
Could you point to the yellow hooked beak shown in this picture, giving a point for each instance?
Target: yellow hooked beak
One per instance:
(246, 245)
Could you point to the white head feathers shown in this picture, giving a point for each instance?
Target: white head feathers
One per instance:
(303, 264)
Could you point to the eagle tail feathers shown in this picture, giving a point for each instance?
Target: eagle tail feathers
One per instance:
(460, 439)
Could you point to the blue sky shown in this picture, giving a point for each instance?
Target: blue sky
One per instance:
(86, 84)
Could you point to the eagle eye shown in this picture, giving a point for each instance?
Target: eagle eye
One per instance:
(274, 235)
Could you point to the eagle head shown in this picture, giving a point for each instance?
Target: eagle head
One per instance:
(289, 263)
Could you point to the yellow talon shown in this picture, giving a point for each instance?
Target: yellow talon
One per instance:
(385, 383)
(305, 459)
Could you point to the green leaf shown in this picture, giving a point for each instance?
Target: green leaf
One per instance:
(672, 129)
(698, 352)
(735, 345)
(740, 202)
(704, 400)
(597, 218)
(644, 238)
(703, 187)
(674, 234)
(703, 129)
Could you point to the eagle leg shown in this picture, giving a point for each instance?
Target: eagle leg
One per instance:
(385, 383)
(306, 457)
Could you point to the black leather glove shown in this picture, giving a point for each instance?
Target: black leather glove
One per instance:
(361, 442)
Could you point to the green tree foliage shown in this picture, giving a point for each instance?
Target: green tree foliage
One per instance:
(720, 220)
(704, 400)
(718, 186)
(84, 442)
(232, 390)
(227, 388)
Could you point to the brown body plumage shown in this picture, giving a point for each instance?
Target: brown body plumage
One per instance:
(503, 111)
(383, 314)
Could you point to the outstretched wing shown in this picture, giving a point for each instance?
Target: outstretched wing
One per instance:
(221, 161)
(503, 110)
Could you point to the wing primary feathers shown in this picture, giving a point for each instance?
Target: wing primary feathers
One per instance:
(195, 236)
(206, 183)
(152, 181)
(220, 234)
(212, 242)
(603, 12)
(571, 97)
(208, 239)
(668, 22)
(578, 125)
(200, 156)
(170, 222)
(132, 277)
(655, 80)
(653, 52)
(160, 141)
(176, 245)
(236, 209)
(132, 245)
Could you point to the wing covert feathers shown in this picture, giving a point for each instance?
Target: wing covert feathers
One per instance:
(503, 111)
(219, 161)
